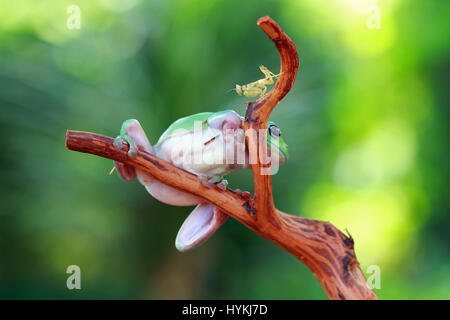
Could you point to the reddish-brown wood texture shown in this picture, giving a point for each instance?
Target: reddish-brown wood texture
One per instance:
(325, 250)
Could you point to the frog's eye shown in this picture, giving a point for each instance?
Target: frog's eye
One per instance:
(274, 131)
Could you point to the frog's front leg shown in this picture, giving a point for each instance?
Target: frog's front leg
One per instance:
(203, 221)
(133, 133)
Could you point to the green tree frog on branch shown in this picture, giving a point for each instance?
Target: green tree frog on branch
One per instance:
(207, 144)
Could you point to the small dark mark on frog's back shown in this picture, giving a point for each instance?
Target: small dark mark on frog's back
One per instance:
(210, 140)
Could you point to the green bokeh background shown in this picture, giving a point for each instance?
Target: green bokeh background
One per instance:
(366, 123)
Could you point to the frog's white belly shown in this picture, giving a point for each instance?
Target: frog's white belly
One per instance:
(205, 153)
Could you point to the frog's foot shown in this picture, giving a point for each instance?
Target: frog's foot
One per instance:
(124, 136)
(222, 184)
(134, 135)
(209, 181)
(201, 224)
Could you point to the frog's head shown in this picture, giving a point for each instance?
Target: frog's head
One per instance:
(229, 119)
(276, 142)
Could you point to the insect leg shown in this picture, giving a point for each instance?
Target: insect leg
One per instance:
(269, 75)
(263, 92)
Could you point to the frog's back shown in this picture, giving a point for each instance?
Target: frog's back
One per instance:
(186, 123)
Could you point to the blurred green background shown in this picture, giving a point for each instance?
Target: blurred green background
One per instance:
(366, 123)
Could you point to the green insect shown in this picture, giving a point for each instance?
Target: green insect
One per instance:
(259, 87)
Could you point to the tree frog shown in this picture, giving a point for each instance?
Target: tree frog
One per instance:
(207, 144)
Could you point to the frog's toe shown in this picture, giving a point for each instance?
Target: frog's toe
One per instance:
(118, 142)
(222, 184)
(132, 149)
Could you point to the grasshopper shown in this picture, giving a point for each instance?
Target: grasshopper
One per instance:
(258, 87)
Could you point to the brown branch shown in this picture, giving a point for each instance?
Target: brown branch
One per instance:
(325, 250)
(257, 115)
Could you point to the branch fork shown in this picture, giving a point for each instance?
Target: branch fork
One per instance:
(325, 250)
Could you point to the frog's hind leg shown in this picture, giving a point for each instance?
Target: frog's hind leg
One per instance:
(199, 226)
(125, 171)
